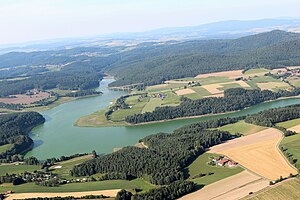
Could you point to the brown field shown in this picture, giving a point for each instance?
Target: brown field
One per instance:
(271, 85)
(25, 99)
(278, 70)
(295, 128)
(285, 190)
(259, 153)
(233, 187)
(157, 86)
(184, 92)
(229, 74)
(293, 67)
(111, 193)
(214, 88)
(216, 95)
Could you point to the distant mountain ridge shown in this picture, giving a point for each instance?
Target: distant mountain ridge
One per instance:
(218, 30)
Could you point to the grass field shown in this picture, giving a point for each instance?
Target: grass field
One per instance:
(97, 119)
(292, 143)
(267, 82)
(5, 147)
(288, 190)
(67, 165)
(163, 87)
(295, 81)
(290, 123)
(200, 166)
(151, 105)
(242, 127)
(80, 187)
(210, 85)
(137, 108)
(11, 168)
(229, 85)
(256, 71)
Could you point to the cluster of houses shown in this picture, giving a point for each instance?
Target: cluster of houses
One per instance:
(161, 96)
(224, 161)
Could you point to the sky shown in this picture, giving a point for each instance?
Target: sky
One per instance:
(32, 20)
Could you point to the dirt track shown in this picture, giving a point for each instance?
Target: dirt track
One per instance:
(234, 187)
(259, 153)
(111, 193)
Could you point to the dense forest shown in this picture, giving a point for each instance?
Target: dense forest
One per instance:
(164, 159)
(154, 64)
(234, 99)
(65, 80)
(273, 116)
(14, 129)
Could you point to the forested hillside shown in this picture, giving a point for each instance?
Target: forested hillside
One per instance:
(14, 129)
(154, 64)
(164, 159)
(150, 63)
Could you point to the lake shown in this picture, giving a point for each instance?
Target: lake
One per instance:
(58, 136)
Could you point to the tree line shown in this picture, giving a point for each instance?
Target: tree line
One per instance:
(234, 99)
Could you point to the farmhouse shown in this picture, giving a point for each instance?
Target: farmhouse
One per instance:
(222, 162)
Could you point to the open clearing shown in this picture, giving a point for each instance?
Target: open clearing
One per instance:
(287, 190)
(259, 153)
(290, 123)
(242, 127)
(25, 99)
(220, 87)
(63, 168)
(13, 168)
(80, 187)
(110, 193)
(292, 144)
(229, 74)
(273, 85)
(184, 91)
(201, 166)
(5, 147)
(233, 187)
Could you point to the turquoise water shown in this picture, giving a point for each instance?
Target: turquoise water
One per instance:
(58, 136)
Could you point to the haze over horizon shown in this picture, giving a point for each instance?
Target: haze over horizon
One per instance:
(33, 20)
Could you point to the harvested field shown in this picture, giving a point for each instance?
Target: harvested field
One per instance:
(233, 187)
(272, 85)
(213, 88)
(184, 92)
(157, 86)
(294, 67)
(110, 193)
(216, 95)
(295, 128)
(25, 99)
(216, 88)
(259, 153)
(286, 190)
(229, 74)
(279, 70)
